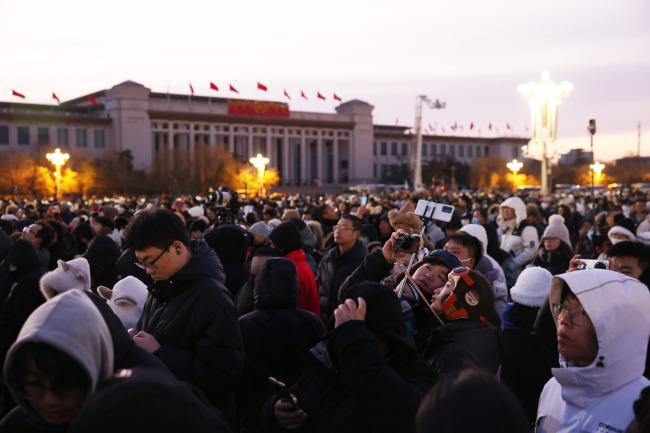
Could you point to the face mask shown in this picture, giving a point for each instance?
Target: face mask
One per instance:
(625, 209)
(615, 241)
(544, 205)
(475, 221)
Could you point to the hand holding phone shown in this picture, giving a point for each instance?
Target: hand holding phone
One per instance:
(284, 392)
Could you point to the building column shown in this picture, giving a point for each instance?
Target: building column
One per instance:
(319, 158)
(303, 157)
(191, 152)
(335, 157)
(286, 164)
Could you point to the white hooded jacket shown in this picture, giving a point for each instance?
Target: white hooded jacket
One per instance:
(599, 397)
(519, 239)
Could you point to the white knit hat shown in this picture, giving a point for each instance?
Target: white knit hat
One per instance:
(557, 229)
(260, 229)
(196, 211)
(532, 287)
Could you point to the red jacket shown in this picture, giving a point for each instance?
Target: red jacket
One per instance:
(308, 299)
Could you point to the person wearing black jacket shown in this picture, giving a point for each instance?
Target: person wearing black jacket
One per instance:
(189, 320)
(364, 377)
(102, 253)
(277, 337)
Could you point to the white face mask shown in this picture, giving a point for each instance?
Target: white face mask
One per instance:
(615, 241)
(544, 205)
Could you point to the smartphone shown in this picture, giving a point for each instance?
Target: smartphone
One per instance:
(284, 392)
(364, 200)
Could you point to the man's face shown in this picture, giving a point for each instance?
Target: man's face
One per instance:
(344, 232)
(160, 263)
(478, 216)
(30, 233)
(508, 213)
(441, 294)
(330, 213)
(577, 343)
(626, 265)
(460, 251)
(639, 207)
(430, 276)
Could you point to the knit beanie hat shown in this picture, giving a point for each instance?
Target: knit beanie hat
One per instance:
(306, 235)
(532, 287)
(557, 229)
(472, 298)
(406, 215)
(438, 257)
(230, 242)
(274, 223)
(624, 226)
(260, 229)
(286, 237)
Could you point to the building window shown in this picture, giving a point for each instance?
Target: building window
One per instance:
(470, 152)
(433, 149)
(478, 151)
(374, 148)
(461, 151)
(393, 148)
(443, 149)
(515, 151)
(405, 148)
(383, 147)
(486, 152)
(374, 170)
(4, 134)
(100, 139)
(62, 137)
(43, 135)
(154, 125)
(23, 135)
(82, 138)
(452, 150)
(424, 149)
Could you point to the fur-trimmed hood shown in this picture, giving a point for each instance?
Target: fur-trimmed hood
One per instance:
(514, 203)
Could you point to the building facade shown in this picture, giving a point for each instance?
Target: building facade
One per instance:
(307, 148)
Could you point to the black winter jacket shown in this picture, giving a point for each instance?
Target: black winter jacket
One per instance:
(102, 254)
(192, 316)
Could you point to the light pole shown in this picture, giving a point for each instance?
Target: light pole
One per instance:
(514, 166)
(592, 131)
(259, 162)
(543, 98)
(58, 159)
(596, 168)
(417, 149)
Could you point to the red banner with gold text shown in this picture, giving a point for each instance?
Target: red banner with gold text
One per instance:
(258, 108)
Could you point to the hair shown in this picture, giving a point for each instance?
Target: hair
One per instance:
(198, 224)
(482, 211)
(492, 405)
(107, 224)
(60, 368)
(631, 249)
(566, 293)
(356, 221)
(472, 243)
(318, 233)
(121, 222)
(57, 227)
(523, 316)
(45, 234)
(155, 228)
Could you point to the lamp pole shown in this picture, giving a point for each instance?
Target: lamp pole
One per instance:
(592, 131)
(417, 149)
(543, 98)
(58, 159)
(259, 162)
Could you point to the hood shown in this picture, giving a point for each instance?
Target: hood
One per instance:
(73, 274)
(72, 324)
(204, 263)
(515, 203)
(24, 256)
(618, 307)
(277, 284)
(478, 231)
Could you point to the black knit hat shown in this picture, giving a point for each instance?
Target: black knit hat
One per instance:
(286, 237)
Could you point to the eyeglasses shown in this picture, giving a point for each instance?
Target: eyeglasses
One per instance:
(29, 230)
(338, 227)
(35, 391)
(576, 316)
(152, 265)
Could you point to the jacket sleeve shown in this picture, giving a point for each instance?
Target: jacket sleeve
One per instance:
(373, 268)
(215, 361)
(529, 244)
(390, 398)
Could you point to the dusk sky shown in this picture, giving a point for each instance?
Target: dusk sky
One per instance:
(471, 54)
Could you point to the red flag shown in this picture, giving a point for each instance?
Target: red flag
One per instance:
(508, 126)
(336, 98)
(471, 125)
(286, 94)
(191, 89)
(320, 96)
(490, 127)
(430, 127)
(213, 86)
(232, 89)
(396, 120)
(56, 97)
(261, 86)
(303, 95)
(20, 95)
(92, 100)
(443, 129)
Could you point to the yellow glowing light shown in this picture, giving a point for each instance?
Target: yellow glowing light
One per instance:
(259, 162)
(58, 159)
(514, 166)
(597, 167)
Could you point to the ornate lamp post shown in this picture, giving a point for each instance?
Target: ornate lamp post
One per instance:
(260, 162)
(596, 168)
(543, 98)
(58, 159)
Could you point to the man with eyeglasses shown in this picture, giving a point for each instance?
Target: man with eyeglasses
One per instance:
(41, 235)
(339, 263)
(189, 320)
(602, 331)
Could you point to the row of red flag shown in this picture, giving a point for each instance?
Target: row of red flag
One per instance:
(90, 97)
(432, 130)
(264, 88)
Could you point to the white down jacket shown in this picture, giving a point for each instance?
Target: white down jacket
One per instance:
(519, 239)
(599, 397)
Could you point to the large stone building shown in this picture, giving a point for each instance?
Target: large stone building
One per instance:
(307, 148)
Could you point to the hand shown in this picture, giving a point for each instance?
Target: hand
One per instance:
(132, 332)
(574, 263)
(362, 210)
(146, 341)
(349, 311)
(287, 416)
(389, 246)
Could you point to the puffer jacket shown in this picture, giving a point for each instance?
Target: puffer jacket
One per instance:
(192, 316)
(519, 238)
(599, 397)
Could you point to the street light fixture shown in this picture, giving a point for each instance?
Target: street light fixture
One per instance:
(543, 98)
(259, 162)
(417, 149)
(514, 166)
(597, 168)
(58, 159)
(592, 131)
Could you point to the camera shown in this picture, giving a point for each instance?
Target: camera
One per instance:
(226, 204)
(408, 244)
(428, 210)
(220, 198)
(593, 264)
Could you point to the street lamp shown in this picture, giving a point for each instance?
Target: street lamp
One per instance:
(592, 131)
(514, 166)
(259, 162)
(58, 159)
(597, 168)
(543, 98)
(417, 149)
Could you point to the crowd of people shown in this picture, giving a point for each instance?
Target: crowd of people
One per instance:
(518, 314)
